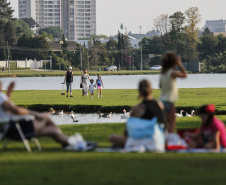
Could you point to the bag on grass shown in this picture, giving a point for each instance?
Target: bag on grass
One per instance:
(144, 135)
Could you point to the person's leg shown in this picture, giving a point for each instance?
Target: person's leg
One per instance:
(70, 89)
(67, 84)
(98, 90)
(117, 140)
(44, 126)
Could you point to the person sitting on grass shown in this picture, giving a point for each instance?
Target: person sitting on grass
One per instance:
(99, 84)
(147, 109)
(42, 125)
(212, 133)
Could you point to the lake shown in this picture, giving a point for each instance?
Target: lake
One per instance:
(116, 82)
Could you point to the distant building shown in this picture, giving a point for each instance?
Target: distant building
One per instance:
(216, 25)
(27, 9)
(219, 33)
(77, 18)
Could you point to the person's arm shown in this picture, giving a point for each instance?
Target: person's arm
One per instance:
(215, 144)
(95, 84)
(89, 77)
(10, 89)
(65, 78)
(13, 109)
(138, 111)
(72, 77)
(102, 82)
(81, 78)
(182, 73)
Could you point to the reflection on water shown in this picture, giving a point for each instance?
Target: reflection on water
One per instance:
(116, 82)
(86, 119)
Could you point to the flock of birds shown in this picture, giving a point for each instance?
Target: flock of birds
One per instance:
(125, 115)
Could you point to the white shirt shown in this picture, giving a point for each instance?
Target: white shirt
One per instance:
(91, 87)
(3, 114)
(168, 87)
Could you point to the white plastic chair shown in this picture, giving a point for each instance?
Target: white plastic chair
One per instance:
(25, 141)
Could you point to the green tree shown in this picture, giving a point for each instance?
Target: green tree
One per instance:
(10, 33)
(30, 21)
(207, 32)
(56, 31)
(46, 35)
(177, 21)
(6, 12)
(207, 46)
(221, 46)
(3, 55)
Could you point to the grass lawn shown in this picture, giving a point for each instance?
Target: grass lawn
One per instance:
(116, 100)
(33, 73)
(54, 166)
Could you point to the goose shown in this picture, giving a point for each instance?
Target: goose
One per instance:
(52, 111)
(105, 115)
(72, 115)
(190, 115)
(126, 115)
(179, 115)
(60, 112)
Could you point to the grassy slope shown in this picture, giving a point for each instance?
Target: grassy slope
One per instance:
(189, 99)
(33, 73)
(54, 166)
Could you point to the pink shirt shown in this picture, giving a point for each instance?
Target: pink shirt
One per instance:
(215, 126)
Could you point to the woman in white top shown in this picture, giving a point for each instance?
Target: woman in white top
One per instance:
(168, 86)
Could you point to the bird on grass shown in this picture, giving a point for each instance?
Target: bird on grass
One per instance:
(179, 114)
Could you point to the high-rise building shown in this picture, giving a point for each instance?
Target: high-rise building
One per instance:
(77, 18)
(216, 25)
(27, 9)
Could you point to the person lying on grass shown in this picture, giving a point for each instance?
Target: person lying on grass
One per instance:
(212, 134)
(147, 109)
(42, 125)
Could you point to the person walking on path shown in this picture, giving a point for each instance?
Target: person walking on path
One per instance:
(168, 85)
(84, 82)
(69, 80)
(99, 84)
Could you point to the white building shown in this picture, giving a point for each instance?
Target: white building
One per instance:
(27, 9)
(77, 18)
(216, 25)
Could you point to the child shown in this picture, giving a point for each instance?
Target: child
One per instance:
(99, 84)
(91, 88)
(168, 86)
(212, 134)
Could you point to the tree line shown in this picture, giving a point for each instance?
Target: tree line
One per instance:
(179, 32)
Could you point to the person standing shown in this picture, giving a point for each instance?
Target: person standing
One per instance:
(84, 82)
(99, 84)
(168, 85)
(69, 80)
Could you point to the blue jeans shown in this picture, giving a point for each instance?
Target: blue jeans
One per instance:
(69, 85)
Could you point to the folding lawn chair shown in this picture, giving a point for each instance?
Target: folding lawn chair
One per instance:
(17, 119)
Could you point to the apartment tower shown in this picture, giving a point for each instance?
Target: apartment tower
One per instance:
(77, 18)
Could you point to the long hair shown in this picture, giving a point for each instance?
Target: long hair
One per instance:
(144, 89)
(209, 110)
(168, 61)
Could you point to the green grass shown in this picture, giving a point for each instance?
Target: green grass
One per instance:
(54, 166)
(116, 100)
(33, 73)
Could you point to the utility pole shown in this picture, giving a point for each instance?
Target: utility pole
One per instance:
(81, 57)
(141, 62)
(88, 61)
(8, 55)
(140, 28)
(51, 63)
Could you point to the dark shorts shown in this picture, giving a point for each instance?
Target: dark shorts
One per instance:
(169, 107)
(27, 128)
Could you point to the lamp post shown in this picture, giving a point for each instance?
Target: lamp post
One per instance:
(51, 63)
(141, 57)
(8, 55)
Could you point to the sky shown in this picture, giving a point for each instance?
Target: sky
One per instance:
(135, 13)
